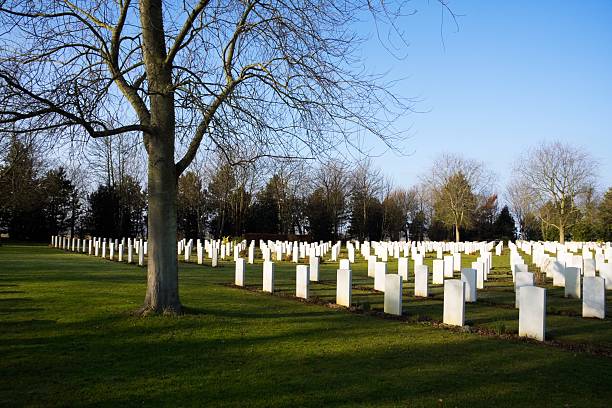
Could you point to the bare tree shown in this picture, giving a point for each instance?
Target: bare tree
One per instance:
(333, 177)
(367, 184)
(455, 184)
(557, 175)
(114, 159)
(520, 200)
(278, 78)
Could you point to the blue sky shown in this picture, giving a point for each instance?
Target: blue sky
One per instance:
(514, 74)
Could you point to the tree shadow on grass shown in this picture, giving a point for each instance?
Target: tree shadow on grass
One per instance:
(272, 314)
(13, 310)
(267, 370)
(16, 300)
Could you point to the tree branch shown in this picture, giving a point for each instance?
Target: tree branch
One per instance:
(180, 38)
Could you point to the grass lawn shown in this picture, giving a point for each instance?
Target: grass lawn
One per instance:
(67, 338)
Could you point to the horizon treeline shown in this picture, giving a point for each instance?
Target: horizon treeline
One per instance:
(318, 201)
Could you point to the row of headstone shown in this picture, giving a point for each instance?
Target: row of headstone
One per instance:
(113, 250)
(577, 274)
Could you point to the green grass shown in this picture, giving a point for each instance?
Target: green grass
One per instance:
(67, 338)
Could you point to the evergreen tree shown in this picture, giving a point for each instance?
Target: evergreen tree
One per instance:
(319, 216)
(22, 200)
(61, 204)
(604, 217)
(190, 206)
(505, 226)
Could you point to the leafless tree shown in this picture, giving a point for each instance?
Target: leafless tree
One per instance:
(273, 78)
(333, 177)
(520, 200)
(557, 175)
(367, 188)
(113, 159)
(455, 184)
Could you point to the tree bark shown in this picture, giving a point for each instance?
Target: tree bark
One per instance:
(457, 232)
(561, 233)
(162, 263)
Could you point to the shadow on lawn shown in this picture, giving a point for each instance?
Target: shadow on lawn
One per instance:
(271, 314)
(580, 327)
(266, 368)
(15, 305)
(243, 350)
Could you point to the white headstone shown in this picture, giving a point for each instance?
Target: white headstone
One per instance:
(379, 277)
(393, 294)
(479, 267)
(343, 287)
(251, 254)
(468, 276)
(372, 259)
(345, 264)
(521, 268)
(215, 258)
(314, 268)
(240, 272)
(279, 253)
(295, 254)
(200, 254)
(130, 253)
(517, 265)
(187, 256)
(532, 312)
(557, 269)
(589, 267)
(420, 281)
(572, 282)
(600, 259)
(522, 279)
(457, 261)
(268, 276)
(140, 253)
(302, 279)
(454, 302)
(402, 268)
(417, 259)
(594, 297)
(606, 273)
(438, 272)
(449, 265)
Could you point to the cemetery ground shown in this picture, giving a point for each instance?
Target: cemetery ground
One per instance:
(68, 337)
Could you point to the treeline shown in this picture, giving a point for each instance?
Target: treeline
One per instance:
(322, 201)
(38, 201)
(554, 197)
(591, 222)
(327, 202)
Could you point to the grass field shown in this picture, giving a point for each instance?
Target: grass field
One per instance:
(67, 338)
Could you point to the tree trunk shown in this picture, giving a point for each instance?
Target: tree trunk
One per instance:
(162, 264)
(457, 232)
(561, 233)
